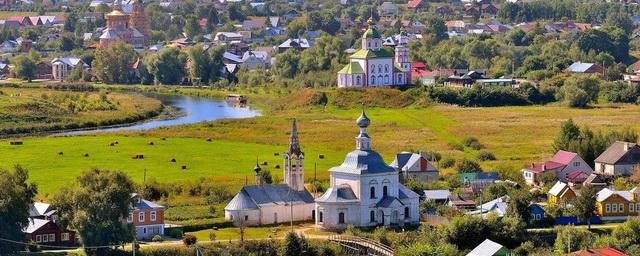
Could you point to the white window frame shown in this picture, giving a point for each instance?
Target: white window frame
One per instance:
(632, 207)
(52, 237)
(614, 207)
(130, 218)
(141, 216)
(64, 236)
(38, 239)
(620, 207)
(45, 238)
(153, 216)
(607, 208)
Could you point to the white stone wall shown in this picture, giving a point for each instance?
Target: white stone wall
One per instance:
(576, 164)
(380, 72)
(237, 217)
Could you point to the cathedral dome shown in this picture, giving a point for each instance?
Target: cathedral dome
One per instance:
(116, 13)
(363, 121)
(363, 162)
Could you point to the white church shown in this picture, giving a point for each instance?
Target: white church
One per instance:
(365, 191)
(373, 65)
(262, 204)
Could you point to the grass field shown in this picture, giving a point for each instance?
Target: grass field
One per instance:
(7, 14)
(250, 233)
(517, 136)
(30, 110)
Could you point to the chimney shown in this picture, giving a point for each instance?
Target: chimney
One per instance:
(533, 165)
(626, 146)
(544, 167)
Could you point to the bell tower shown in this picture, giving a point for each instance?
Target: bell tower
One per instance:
(138, 19)
(294, 162)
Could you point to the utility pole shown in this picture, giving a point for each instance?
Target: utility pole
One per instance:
(133, 247)
(315, 190)
(291, 209)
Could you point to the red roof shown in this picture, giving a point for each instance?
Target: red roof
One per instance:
(577, 176)
(414, 4)
(607, 251)
(636, 65)
(203, 22)
(418, 65)
(564, 157)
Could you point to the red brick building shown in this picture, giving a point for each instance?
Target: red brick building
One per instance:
(147, 217)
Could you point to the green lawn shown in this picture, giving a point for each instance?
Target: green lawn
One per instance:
(250, 233)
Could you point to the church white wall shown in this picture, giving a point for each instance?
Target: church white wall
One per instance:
(331, 215)
(351, 180)
(383, 78)
(237, 217)
(282, 213)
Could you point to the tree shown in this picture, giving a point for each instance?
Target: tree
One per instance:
(96, 206)
(585, 204)
(265, 177)
(191, 27)
(571, 239)
(295, 245)
(167, 66)
(67, 42)
(435, 26)
(467, 165)
(25, 67)
(199, 68)
(235, 13)
(569, 131)
(286, 64)
(111, 63)
(70, 22)
(627, 233)
(16, 196)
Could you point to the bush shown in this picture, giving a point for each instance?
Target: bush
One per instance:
(447, 162)
(174, 232)
(473, 143)
(212, 235)
(467, 165)
(456, 146)
(433, 156)
(32, 246)
(157, 238)
(485, 156)
(189, 239)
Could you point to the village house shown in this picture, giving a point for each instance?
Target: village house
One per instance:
(297, 44)
(263, 203)
(489, 248)
(439, 196)
(415, 166)
(497, 207)
(606, 251)
(564, 165)
(584, 68)
(618, 159)
(62, 66)
(47, 232)
(227, 37)
(561, 193)
(256, 60)
(414, 5)
(364, 191)
(617, 204)
(465, 80)
(147, 217)
(387, 9)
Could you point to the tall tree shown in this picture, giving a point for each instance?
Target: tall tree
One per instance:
(191, 27)
(167, 66)
(15, 197)
(287, 63)
(199, 64)
(585, 204)
(111, 63)
(97, 206)
(569, 131)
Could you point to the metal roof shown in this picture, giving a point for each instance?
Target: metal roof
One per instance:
(268, 194)
(616, 154)
(34, 225)
(557, 188)
(340, 193)
(437, 194)
(486, 248)
(241, 201)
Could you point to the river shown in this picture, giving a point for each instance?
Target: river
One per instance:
(194, 109)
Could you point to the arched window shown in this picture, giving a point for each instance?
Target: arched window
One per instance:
(368, 44)
(386, 78)
(357, 80)
(373, 68)
(379, 68)
(406, 212)
(372, 192)
(372, 216)
(373, 79)
(400, 78)
(320, 217)
(386, 68)
(384, 191)
(341, 218)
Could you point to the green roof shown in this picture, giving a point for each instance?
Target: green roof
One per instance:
(371, 32)
(352, 68)
(368, 54)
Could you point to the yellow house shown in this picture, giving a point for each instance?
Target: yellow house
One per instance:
(561, 193)
(617, 204)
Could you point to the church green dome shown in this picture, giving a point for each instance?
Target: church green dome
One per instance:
(371, 33)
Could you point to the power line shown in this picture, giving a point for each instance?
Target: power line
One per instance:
(57, 246)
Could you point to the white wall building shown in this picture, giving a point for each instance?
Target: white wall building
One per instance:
(262, 204)
(365, 191)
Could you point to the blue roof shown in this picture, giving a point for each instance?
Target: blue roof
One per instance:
(487, 176)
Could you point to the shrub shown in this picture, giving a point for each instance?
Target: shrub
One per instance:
(485, 156)
(189, 239)
(32, 246)
(467, 165)
(447, 162)
(456, 146)
(473, 143)
(174, 232)
(157, 238)
(433, 156)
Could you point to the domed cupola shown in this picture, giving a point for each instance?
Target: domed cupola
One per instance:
(363, 142)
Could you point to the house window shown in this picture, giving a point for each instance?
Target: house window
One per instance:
(406, 212)
(246, 217)
(576, 164)
(144, 230)
(153, 216)
(141, 217)
(386, 68)
(319, 217)
(400, 78)
(620, 207)
(632, 207)
(38, 238)
(341, 218)
(45, 238)
(607, 208)
(64, 237)
(379, 68)
(357, 80)
(52, 237)
(372, 216)
(614, 208)
(130, 218)
(372, 192)
(384, 191)
(386, 78)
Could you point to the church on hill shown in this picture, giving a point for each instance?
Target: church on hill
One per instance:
(373, 65)
(262, 204)
(365, 191)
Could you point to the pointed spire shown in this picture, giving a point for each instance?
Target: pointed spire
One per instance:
(294, 144)
(257, 168)
(363, 121)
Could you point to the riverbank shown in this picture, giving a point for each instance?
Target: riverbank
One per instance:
(33, 111)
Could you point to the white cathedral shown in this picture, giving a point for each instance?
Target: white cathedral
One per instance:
(365, 191)
(373, 65)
